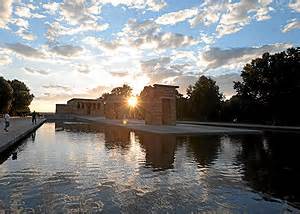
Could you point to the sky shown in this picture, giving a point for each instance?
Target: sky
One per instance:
(83, 48)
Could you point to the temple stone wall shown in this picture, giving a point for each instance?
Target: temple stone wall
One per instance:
(115, 107)
(159, 103)
(81, 107)
(63, 109)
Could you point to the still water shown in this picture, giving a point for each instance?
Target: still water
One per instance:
(88, 168)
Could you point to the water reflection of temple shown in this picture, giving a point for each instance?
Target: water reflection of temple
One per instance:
(204, 148)
(159, 149)
(116, 137)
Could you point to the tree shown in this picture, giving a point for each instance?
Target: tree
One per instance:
(6, 95)
(270, 88)
(205, 99)
(21, 98)
(181, 106)
(125, 90)
(104, 96)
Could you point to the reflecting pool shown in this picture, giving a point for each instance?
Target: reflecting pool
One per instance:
(77, 167)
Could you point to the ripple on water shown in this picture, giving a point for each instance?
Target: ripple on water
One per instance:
(92, 169)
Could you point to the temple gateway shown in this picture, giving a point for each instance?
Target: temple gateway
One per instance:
(156, 105)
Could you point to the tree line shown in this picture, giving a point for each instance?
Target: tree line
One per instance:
(15, 97)
(268, 93)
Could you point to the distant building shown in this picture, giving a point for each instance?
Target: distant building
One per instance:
(157, 106)
(79, 106)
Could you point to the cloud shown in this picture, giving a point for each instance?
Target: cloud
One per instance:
(75, 12)
(36, 71)
(183, 81)
(51, 7)
(26, 35)
(82, 68)
(104, 45)
(57, 87)
(25, 50)
(234, 57)
(209, 13)
(56, 29)
(5, 12)
(5, 57)
(68, 93)
(142, 36)
(225, 83)
(67, 50)
(292, 25)
(25, 12)
(175, 17)
(239, 14)
(159, 69)
(119, 73)
(148, 35)
(23, 26)
(153, 5)
(295, 5)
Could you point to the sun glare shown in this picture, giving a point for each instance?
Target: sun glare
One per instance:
(132, 101)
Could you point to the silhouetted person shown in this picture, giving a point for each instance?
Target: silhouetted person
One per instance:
(33, 117)
(33, 136)
(6, 121)
(14, 156)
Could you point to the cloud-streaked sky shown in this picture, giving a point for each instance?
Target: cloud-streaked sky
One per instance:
(82, 48)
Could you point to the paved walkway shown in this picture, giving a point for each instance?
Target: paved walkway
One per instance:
(179, 129)
(244, 125)
(19, 128)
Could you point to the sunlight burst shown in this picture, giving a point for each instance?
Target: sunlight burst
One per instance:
(132, 101)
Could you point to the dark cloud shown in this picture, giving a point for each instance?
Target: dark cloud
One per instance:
(158, 69)
(183, 81)
(217, 57)
(225, 82)
(36, 71)
(24, 50)
(58, 87)
(67, 50)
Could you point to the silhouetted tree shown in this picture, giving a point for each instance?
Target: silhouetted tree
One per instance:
(21, 98)
(270, 88)
(205, 99)
(104, 95)
(6, 95)
(125, 90)
(181, 106)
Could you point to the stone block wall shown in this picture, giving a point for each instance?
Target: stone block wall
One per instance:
(63, 109)
(115, 107)
(159, 103)
(81, 107)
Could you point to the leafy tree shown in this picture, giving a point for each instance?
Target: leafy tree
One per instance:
(205, 99)
(270, 88)
(6, 95)
(125, 90)
(181, 106)
(21, 98)
(104, 96)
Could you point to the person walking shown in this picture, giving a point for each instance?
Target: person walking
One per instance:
(6, 121)
(33, 117)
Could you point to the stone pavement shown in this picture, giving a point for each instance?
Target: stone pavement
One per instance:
(179, 129)
(244, 125)
(18, 129)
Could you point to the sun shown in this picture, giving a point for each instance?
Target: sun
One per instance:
(132, 101)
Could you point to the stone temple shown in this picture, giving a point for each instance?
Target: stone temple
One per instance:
(156, 105)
